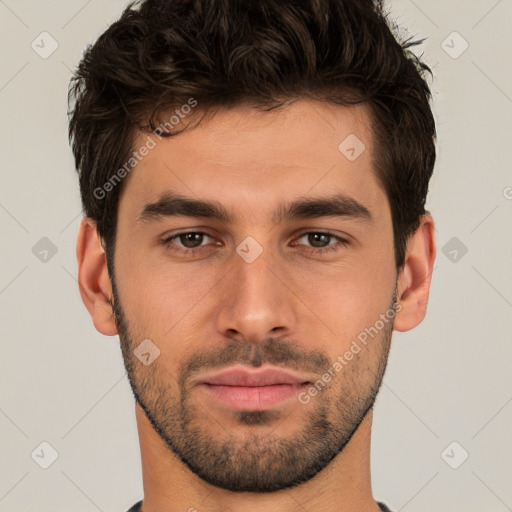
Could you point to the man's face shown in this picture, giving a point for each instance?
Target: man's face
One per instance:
(223, 305)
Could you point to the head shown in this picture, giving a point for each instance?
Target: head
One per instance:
(254, 177)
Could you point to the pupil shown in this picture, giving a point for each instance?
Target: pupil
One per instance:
(189, 238)
(316, 235)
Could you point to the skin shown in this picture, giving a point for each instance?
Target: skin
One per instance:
(213, 309)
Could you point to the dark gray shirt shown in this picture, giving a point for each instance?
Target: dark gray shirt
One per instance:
(136, 507)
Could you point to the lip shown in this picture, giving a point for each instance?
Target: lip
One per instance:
(255, 390)
(240, 376)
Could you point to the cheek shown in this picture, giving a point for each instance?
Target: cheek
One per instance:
(161, 300)
(351, 296)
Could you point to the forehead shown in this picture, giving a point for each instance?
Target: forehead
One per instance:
(252, 160)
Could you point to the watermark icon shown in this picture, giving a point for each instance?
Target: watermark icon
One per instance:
(341, 361)
(454, 455)
(146, 352)
(142, 151)
(507, 192)
(249, 249)
(454, 249)
(44, 45)
(352, 147)
(454, 45)
(44, 455)
(44, 250)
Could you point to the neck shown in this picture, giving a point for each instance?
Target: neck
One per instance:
(343, 486)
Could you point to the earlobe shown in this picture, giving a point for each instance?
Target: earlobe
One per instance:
(93, 279)
(415, 276)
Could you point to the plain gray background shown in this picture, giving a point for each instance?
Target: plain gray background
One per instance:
(448, 387)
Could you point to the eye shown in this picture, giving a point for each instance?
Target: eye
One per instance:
(320, 241)
(190, 241)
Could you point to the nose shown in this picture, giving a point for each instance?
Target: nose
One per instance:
(257, 301)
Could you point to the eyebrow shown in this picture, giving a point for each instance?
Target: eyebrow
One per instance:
(338, 205)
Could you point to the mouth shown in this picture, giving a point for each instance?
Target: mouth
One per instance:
(253, 390)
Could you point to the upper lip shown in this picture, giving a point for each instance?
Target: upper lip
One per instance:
(240, 376)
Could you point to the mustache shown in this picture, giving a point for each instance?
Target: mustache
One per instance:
(273, 351)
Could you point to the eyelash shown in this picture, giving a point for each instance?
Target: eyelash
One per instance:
(330, 248)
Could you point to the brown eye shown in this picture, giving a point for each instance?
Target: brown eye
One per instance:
(319, 238)
(191, 240)
(186, 243)
(319, 241)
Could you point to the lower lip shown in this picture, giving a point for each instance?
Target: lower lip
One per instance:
(256, 398)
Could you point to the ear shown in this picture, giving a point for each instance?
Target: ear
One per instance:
(415, 276)
(93, 278)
